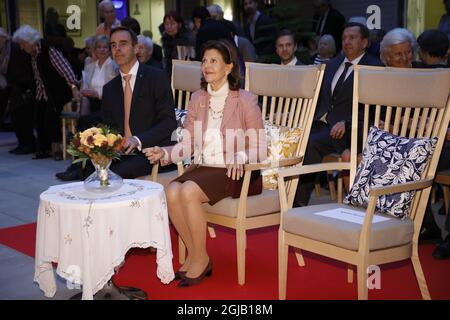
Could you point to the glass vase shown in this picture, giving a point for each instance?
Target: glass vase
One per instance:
(103, 179)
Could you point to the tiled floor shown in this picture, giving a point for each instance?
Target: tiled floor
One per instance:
(21, 182)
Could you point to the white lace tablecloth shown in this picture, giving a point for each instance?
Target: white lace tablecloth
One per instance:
(88, 234)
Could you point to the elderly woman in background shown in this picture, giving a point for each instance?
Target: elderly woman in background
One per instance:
(108, 12)
(96, 75)
(56, 84)
(397, 48)
(221, 106)
(145, 52)
(327, 49)
(89, 49)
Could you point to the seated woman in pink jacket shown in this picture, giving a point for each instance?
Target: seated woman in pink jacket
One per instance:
(223, 131)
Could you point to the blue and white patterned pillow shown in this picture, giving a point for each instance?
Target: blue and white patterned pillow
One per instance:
(390, 160)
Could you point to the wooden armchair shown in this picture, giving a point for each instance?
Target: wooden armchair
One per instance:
(289, 98)
(417, 106)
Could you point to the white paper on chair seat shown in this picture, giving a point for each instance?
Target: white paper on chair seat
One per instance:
(349, 215)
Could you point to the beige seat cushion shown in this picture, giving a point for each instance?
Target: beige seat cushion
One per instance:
(264, 203)
(303, 221)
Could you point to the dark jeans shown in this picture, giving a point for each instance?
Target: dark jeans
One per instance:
(320, 144)
(22, 119)
(48, 126)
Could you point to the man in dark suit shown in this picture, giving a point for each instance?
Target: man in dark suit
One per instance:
(328, 20)
(254, 29)
(330, 132)
(286, 46)
(139, 103)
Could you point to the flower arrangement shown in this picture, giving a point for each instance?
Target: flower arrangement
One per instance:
(100, 144)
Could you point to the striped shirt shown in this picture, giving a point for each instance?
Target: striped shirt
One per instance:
(319, 60)
(61, 65)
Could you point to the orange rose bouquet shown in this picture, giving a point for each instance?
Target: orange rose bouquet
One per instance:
(100, 144)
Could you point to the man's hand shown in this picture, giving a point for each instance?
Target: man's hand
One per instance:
(130, 144)
(154, 154)
(338, 130)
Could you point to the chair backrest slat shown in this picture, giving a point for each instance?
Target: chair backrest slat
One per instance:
(387, 119)
(298, 108)
(292, 112)
(279, 110)
(264, 107)
(286, 110)
(415, 123)
(272, 110)
(438, 121)
(366, 123)
(397, 120)
(423, 122)
(377, 116)
(405, 122)
(432, 120)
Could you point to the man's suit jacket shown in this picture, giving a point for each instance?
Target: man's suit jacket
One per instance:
(268, 46)
(152, 116)
(341, 108)
(334, 25)
(241, 112)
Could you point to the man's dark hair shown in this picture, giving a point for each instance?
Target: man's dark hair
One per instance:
(133, 35)
(362, 29)
(229, 55)
(434, 42)
(131, 23)
(286, 32)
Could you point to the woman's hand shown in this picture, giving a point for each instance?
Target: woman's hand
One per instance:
(235, 171)
(154, 154)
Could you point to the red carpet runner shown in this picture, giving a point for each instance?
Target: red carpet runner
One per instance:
(322, 278)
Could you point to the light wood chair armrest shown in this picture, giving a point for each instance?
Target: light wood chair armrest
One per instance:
(273, 165)
(313, 168)
(409, 186)
(155, 170)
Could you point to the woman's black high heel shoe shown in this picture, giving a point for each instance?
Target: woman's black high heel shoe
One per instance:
(187, 282)
(180, 275)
